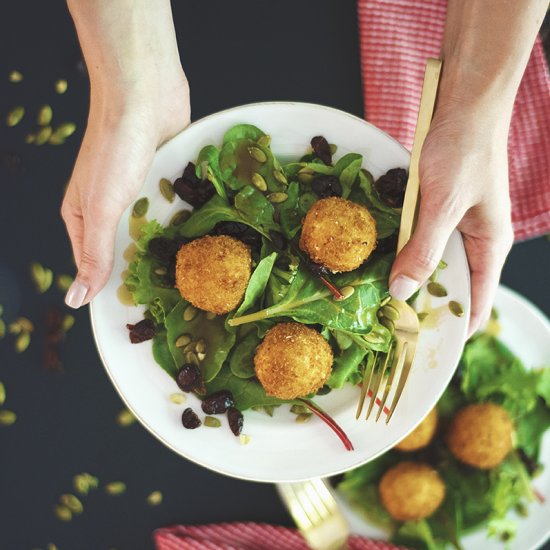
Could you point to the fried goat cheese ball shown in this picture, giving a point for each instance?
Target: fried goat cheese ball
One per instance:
(212, 273)
(293, 360)
(411, 491)
(338, 234)
(481, 435)
(421, 436)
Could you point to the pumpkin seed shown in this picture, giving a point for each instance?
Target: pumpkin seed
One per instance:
(2, 328)
(191, 357)
(63, 513)
(51, 546)
(385, 301)
(201, 356)
(388, 323)
(280, 177)
(212, 422)
(456, 308)
(189, 313)
(60, 86)
(29, 138)
(177, 398)
(244, 439)
(115, 488)
(183, 340)
(66, 129)
(210, 315)
(442, 264)
(391, 312)
(15, 115)
(333, 148)
(56, 139)
(22, 342)
(45, 115)
(155, 498)
(264, 141)
(25, 324)
(7, 418)
(125, 418)
(15, 76)
(437, 289)
(43, 135)
(422, 315)
(373, 338)
(72, 503)
(200, 346)
(161, 271)
(277, 198)
(303, 418)
(346, 292)
(2, 394)
(67, 323)
(140, 207)
(180, 217)
(259, 182)
(63, 282)
(41, 276)
(305, 175)
(257, 154)
(1, 309)
(14, 328)
(191, 346)
(167, 189)
(299, 409)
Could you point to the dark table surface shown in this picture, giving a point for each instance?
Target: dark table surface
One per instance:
(233, 53)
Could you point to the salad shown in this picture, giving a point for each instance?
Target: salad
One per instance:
(275, 260)
(473, 458)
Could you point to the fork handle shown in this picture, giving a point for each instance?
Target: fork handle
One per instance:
(425, 113)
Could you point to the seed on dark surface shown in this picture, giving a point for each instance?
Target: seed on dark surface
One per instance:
(326, 186)
(240, 231)
(141, 331)
(321, 148)
(217, 402)
(278, 240)
(189, 378)
(391, 187)
(437, 290)
(193, 190)
(189, 419)
(236, 419)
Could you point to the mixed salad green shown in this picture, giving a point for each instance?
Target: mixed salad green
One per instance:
(488, 371)
(242, 189)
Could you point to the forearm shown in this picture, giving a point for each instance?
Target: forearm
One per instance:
(486, 47)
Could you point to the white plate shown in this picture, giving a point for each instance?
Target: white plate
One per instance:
(279, 449)
(526, 331)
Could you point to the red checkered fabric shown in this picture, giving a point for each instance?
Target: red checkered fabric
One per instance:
(396, 37)
(246, 536)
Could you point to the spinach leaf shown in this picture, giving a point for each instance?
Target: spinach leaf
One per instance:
(349, 175)
(210, 156)
(255, 210)
(346, 364)
(290, 215)
(203, 220)
(243, 131)
(241, 362)
(161, 353)
(345, 161)
(292, 168)
(530, 429)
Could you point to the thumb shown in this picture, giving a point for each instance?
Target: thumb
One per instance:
(420, 256)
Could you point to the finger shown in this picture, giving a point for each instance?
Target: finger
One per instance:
(75, 228)
(420, 256)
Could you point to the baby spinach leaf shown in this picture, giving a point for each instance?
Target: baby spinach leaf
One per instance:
(241, 362)
(161, 353)
(203, 220)
(243, 131)
(345, 161)
(255, 210)
(349, 175)
(345, 364)
(210, 156)
(289, 212)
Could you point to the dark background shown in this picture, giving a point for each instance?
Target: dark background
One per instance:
(233, 53)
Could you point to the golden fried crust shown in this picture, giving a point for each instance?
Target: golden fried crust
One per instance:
(411, 491)
(481, 435)
(293, 360)
(338, 234)
(213, 272)
(422, 435)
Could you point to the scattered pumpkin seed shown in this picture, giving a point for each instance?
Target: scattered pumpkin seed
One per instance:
(167, 189)
(63, 282)
(422, 315)
(45, 115)
(180, 217)
(201, 355)
(155, 498)
(303, 418)
(305, 175)
(277, 198)
(60, 86)
(200, 346)
(183, 340)
(51, 546)
(191, 346)
(210, 315)
(29, 138)
(115, 488)
(391, 312)
(280, 177)
(191, 357)
(257, 154)
(299, 409)
(189, 313)
(346, 292)
(125, 418)
(437, 289)
(269, 409)
(2, 328)
(68, 322)
(244, 439)
(385, 301)
(259, 182)
(2, 394)
(212, 422)
(41, 276)
(265, 141)
(72, 503)
(161, 271)
(43, 135)
(66, 129)
(25, 324)
(7, 418)
(140, 207)
(1, 309)
(56, 139)
(15, 76)
(442, 264)
(82, 483)
(63, 513)
(14, 328)
(15, 116)
(22, 342)
(456, 308)
(333, 148)
(177, 398)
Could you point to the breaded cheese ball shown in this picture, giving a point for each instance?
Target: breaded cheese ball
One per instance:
(411, 491)
(421, 436)
(213, 272)
(293, 360)
(481, 435)
(338, 234)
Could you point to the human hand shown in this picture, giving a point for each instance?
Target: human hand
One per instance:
(123, 133)
(463, 185)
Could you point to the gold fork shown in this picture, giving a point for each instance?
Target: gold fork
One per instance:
(316, 514)
(381, 371)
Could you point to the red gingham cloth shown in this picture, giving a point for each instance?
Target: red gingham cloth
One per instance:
(396, 37)
(246, 536)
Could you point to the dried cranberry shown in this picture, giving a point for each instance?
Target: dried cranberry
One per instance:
(278, 240)
(144, 330)
(189, 378)
(391, 187)
(235, 418)
(389, 244)
(189, 419)
(530, 463)
(326, 186)
(322, 149)
(238, 230)
(193, 190)
(162, 249)
(218, 402)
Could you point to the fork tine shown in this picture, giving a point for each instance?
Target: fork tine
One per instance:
(410, 352)
(395, 350)
(376, 386)
(369, 369)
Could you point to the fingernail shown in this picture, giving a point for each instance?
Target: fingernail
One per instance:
(403, 287)
(76, 294)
